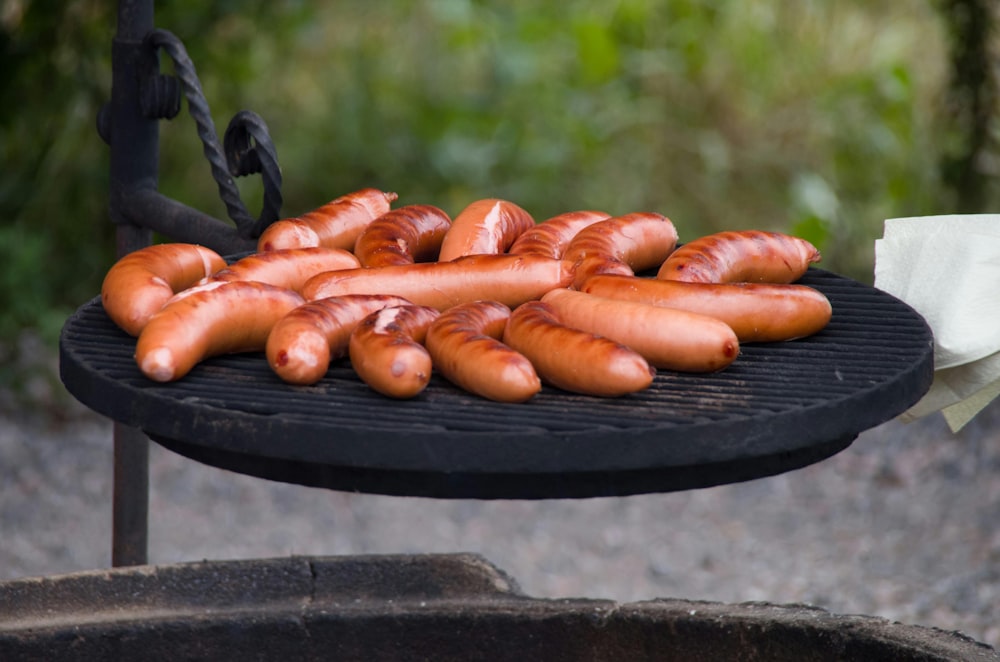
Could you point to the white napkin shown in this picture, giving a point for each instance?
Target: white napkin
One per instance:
(948, 269)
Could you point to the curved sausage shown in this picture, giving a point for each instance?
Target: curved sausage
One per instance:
(220, 318)
(403, 236)
(575, 360)
(551, 237)
(386, 350)
(464, 343)
(622, 245)
(302, 344)
(485, 227)
(666, 337)
(509, 279)
(287, 267)
(740, 256)
(141, 282)
(757, 312)
(336, 224)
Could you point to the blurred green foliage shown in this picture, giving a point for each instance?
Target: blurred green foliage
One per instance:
(814, 117)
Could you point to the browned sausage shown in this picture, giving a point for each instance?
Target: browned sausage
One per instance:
(484, 227)
(551, 237)
(510, 279)
(464, 343)
(140, 283)
(403, 236)
(740, 256)
(287, 267)
(302, 344)
(666, 337)
(336, 224)
(574, 360)
(622, 245)
(757, 312)
(386, 350)
(218, 318)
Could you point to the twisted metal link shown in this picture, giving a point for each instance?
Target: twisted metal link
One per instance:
(222, 170)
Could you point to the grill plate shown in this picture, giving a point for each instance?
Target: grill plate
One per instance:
(780, 406)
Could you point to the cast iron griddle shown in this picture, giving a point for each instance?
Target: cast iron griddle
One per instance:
(779, 406)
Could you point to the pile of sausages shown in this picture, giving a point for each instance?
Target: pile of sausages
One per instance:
(491, 300)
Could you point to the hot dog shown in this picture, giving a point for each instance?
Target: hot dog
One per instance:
(551, 237)
(288, 267)
(574, 360)
(484, 227)
(464, 343)
(510, 279)
(403, 236)
(220, 318)
(757, 312)
(140, 283)
(740, 256)
(386, 350)
(336, 224)
(302, 344)
(622, 245)
(666, 337)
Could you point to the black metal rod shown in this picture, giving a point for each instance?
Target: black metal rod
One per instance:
(181, 222)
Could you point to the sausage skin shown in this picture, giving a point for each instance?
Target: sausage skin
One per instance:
(287, 267)
(551, 237)
(622, 245)
(740, 256)
(757, 312)
(464, 343)
(485, 227)
(666, 337)
(302, 344)
(575, 360)
(387, 352)
(403, 236)
(509, 279)
(336, 224)
(219, 318)
(141, 282)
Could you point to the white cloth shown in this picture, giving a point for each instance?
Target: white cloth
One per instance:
(948, 269)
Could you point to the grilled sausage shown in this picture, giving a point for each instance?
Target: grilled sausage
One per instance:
(551, 237)
(622, 245)
(485, 227)
(302, 344)
(666, 337)
(218, 318)
(757, 312)
(287, 267)
(403, 236)
(510, 279)
(574, 360)
(140, 283)
(464, 343)
(336, 224)
(386, 350)
(740, 256)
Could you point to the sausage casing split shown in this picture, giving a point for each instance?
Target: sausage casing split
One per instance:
(740, 256)
(465, 344)
(757, 312)
(403, 236)
(302, 344)
(336, 224)
(622, 245)
(220, 318)
(485, 227)
(575, 360)
(666, 337)
(551, 237)
(287, 267)
(140, 283)
(387, 352)
(509, 279)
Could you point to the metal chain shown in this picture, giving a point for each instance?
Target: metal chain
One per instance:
(222, 170)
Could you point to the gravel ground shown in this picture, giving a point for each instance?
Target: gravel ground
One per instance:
(904, 524)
